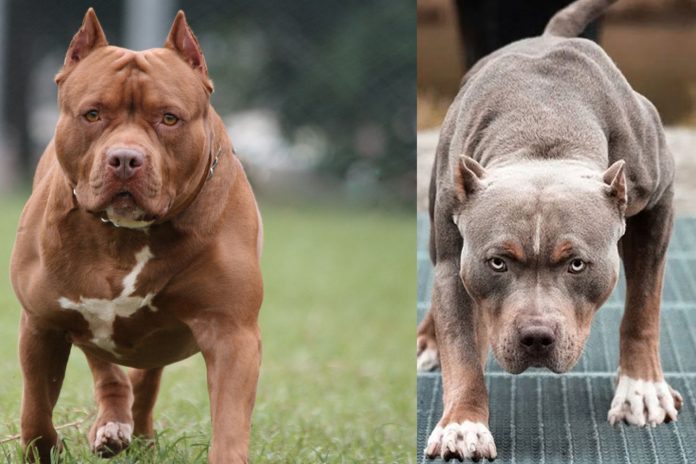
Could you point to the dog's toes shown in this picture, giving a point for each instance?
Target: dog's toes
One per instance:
(468, 440)
(112, 438)
(678, 400)
(433, 447)
(642, 402)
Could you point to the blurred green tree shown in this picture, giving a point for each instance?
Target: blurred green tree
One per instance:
(345, 69)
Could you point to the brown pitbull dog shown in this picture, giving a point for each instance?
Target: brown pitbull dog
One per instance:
(548, 169)
(139, 244)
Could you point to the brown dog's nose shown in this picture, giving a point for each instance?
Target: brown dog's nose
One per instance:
(537, 340)
(124, 162)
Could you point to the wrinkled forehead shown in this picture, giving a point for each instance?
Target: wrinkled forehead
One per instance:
(541, 216)
(116, 76)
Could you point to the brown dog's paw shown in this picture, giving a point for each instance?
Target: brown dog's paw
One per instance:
(642, 402)
(112, 438)
(40, 450)
(427, 357)
(468, 440)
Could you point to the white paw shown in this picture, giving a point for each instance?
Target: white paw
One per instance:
(461, 441)
(427, 360)
(641, 402)
(111, 438)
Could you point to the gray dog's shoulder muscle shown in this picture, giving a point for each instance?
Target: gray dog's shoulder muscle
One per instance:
(550, 97)
(556, 98)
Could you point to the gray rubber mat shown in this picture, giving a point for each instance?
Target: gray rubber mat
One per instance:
(541, 417)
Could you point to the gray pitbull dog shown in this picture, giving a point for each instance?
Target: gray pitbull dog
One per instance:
(549, 168)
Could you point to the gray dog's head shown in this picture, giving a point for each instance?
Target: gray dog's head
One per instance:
(539, 254)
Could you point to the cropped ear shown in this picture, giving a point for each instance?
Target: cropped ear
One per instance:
(182, 40)
(88, 37)
(615, 178)
(467, 177)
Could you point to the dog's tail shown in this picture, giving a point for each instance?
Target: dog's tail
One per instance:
(573, 19)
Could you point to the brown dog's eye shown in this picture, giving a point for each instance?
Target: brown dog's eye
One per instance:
(92, 116)
(576, 266)
(497, 264)
(169, 119)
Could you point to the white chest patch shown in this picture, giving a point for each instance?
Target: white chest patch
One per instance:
(100, 313)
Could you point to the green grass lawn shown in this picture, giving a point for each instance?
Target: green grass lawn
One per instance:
(337, 378)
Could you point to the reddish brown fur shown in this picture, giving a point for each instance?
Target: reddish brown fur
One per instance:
(514, 250)
(644, 253)
(562, 252)
(205, 271)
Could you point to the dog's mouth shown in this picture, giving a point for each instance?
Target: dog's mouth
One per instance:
(124, 211)
(133, 204)
(548, 362)
(519, 364)
(515, 361)
(123, 201)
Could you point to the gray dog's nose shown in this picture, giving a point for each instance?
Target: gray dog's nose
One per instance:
(537, 340)
(124, 162)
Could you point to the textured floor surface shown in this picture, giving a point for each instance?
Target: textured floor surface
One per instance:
(540, 417)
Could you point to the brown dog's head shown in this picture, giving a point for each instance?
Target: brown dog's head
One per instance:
(539, 254)
(133, 137)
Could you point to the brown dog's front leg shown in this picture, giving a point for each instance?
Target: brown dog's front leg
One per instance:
(112, 430)
(43, 355)
(462, 432)
(145, 383)
(232, 356)
(642, 395)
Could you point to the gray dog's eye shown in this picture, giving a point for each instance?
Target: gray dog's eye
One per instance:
(497, 264)
(576, 266)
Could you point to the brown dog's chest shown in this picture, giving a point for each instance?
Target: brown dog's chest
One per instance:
(122, 313)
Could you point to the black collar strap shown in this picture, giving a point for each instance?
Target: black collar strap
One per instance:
(212, 164)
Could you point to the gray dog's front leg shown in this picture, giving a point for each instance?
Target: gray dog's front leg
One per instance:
(462, 432)
(642, 395)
